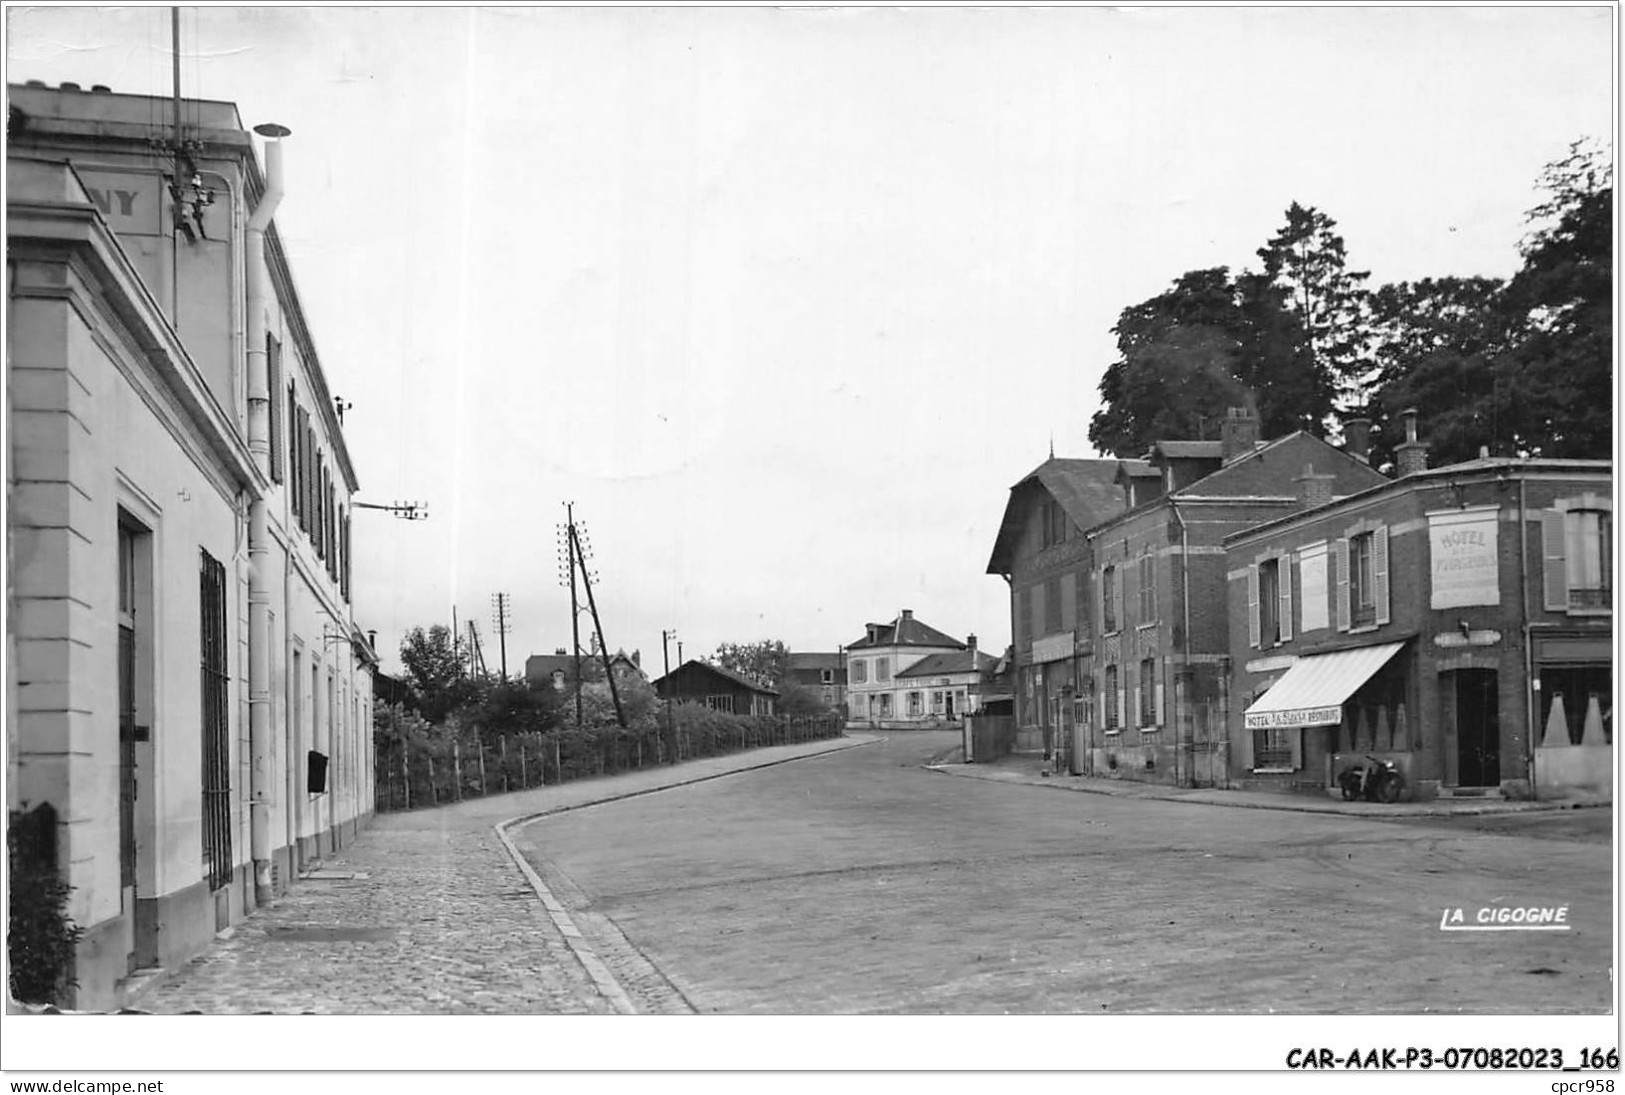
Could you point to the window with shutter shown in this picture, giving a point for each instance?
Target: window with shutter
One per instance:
(1340, 564)
(1554, 559)
(1146, 698)
(1283, 570)
(1255, 627)
(1588, 563)
(273, 388)
(1379, 574)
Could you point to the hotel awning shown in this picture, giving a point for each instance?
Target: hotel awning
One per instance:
(1313, 690)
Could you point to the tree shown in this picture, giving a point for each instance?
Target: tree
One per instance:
(1562, 304)
(1207, 344)
(767, 661)
(1306, 259)
(1437, 344)
(434, 672)
(798, 701)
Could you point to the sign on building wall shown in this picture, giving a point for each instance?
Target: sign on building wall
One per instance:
(1053, 648)
(1316, 604)
(1465, 558)
(130, 202)
(1297, 716)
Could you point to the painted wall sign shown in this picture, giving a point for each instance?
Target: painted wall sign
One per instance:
(1466, 566)
(1053, 648)
(1295, 716)
(130, 202)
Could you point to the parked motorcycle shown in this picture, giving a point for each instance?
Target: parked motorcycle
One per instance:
(1379, 781)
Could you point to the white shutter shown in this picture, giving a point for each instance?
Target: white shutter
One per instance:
(1160, 719)
(1554, 554)
(1120, 701)
(1379, 570)
(1283, 572)
(1104, 725)
(1135, 717)
(1340, 562)
(1099, 626)
(1253, 627)
(1120, 583)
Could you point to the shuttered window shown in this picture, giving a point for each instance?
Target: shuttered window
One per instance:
(1283, 571)
(273, 367)
(1340, 564)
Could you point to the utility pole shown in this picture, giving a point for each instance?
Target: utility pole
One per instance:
(568, 559)
(671, 725)
(501, 606)
(598, 627)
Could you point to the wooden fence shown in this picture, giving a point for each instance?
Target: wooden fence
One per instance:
(433, 770)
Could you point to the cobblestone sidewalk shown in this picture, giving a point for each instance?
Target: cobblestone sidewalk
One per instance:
(425, 914)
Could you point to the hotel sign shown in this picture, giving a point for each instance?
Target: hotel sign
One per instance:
(1053, 648)
(1465, 554)
(1295, 716)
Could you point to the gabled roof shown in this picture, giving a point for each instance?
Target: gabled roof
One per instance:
(906, 631)
(1087, 491)
(940, 665)
(1244, 464)
(814, 661)
(1188, 450)
(727, 674)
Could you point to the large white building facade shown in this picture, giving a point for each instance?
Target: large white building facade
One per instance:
(189, 693)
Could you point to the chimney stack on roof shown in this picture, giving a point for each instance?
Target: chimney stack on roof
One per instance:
(1357, 439)
(906, 614)
(1313, 490)
(1411, 456)
(559, 652)
(1239, 433)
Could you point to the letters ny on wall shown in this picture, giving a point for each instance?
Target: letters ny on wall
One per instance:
(1465, 557)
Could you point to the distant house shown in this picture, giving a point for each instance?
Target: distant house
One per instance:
(877, 690)
(558, 668)
(823, 673)
(717, 688)
(945, 687)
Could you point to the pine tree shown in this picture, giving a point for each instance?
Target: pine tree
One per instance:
(1306, 259)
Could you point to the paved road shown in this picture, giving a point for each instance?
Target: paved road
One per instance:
(861, 883)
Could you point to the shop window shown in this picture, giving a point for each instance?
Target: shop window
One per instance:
(1277, 749)
(1579, 686)
(915, 705)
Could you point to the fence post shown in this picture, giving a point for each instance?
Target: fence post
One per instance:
(504, 763)
(457, 770)
(524, 772)
(484, 790)
(558, 767)
(406, 773)
(434, 791)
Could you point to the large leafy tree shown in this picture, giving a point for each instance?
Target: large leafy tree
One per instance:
(1437, 344)
(767, 661)
(1307, 260)
(434, 672)
(1209, 343)
(1562, 303)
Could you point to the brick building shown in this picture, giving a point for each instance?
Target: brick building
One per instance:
(825, 674)
(1156, 682)
(1455, 620)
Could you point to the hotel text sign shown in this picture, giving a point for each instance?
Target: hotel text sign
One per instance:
(1295, 716)
(1466, 559)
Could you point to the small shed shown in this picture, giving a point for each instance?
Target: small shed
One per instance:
(717, 688)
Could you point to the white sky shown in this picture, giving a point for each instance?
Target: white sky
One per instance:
(786, 300)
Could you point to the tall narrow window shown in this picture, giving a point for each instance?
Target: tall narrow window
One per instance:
(216, 723)
(1108, 600)
(1148, 588)
(1148, 692)
(1269, 604)
(1362, 581)
(273, 368)
(1110, 717)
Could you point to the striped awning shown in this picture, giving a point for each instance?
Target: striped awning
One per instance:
(1313, 690)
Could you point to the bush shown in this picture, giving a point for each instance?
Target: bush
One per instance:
(42, 938)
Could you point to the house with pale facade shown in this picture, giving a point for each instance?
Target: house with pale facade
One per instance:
(880, 692)
(190, 696)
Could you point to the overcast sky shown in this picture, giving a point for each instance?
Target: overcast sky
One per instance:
(786, 300)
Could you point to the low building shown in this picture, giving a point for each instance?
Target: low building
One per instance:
(717, 688)
(945, 687)
(1456, 620)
